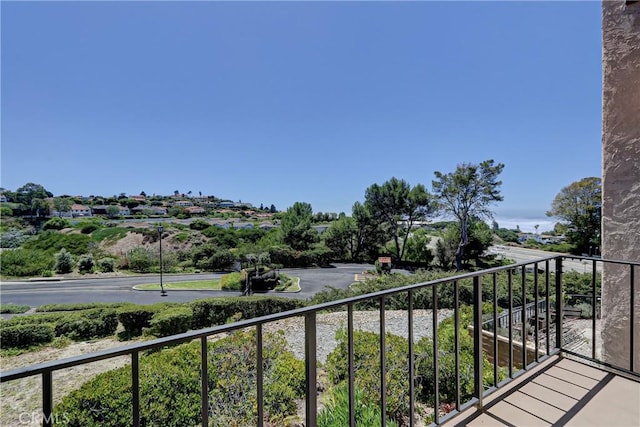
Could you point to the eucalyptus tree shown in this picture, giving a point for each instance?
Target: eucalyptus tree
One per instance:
(398, 207)
(468, 192)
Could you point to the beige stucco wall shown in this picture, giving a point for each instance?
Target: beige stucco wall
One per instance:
(621, 176)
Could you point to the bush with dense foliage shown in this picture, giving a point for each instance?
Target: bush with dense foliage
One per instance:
(48, 308)
(86, 263)
(21, 336)
(76, 325)
(135, 318)
(51, 241)
(64, 262)
(232, 281)
(13, 308)
(174, 320)
(88, 324)
(336, 409)
(25, 262)
(366, 356)
(217, 311)
(106, 400)
(56, 223)
(106, 265)
(142, 260)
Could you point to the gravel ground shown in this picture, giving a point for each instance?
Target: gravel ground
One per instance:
(369, 321)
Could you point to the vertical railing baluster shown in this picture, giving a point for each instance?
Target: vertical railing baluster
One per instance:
(204, 381)
(632, 290)
(259, 375)
(510, 291)
(523, 317)
(352, 401)
(495, 329)
(47, 399)
(559, 304)
(536, 311)
(311, 404)
(436, 365)
(135, 387)
(456, 333)
(477, 338)
(594, 306)
(547, 312)
(412, 399)
(383, 366)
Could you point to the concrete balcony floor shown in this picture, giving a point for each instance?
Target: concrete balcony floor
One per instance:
(560, 391)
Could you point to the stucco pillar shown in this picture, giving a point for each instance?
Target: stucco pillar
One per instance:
(620, 177)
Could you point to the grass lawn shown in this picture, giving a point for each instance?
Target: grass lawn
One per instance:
(195, 285)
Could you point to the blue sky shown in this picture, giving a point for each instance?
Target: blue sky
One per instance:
(278, 102)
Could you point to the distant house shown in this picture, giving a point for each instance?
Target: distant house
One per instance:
(124, 211)
(138, 198)
(266, 226)
(242, 225)
(226, 205)
(80, 210)
(3, 198)
(183, 203)
(99, 210)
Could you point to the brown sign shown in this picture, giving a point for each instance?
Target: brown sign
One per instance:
(384, 260)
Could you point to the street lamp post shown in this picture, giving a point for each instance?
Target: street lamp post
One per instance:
(163, 293)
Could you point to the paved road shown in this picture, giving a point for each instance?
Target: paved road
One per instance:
(528, 255)
(121, 289)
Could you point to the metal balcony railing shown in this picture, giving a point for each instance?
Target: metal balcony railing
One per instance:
(540, 288)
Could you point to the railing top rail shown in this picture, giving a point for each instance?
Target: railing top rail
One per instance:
(27, 371)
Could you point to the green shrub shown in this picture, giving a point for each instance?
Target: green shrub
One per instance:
(199, 224)
(366, 354)
(141, 260)
(136, 318)
(170, 386)
(88, 324)
(24, 262)
(13, 308)
(89, 228)
(336, 410)
(55, 224)
(64, 262)
(216, 311)
(34, 319)
(232, 281)
(51, 241)
(171, 321)
(106, 265)
(86, 263)
(80, 306)
(20, 336)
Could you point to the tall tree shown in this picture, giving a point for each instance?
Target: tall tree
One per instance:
(468, 192)
(32, 197)
(579, 207)
(296, 230)
(354, 238)
(62, 204)
(398, 206)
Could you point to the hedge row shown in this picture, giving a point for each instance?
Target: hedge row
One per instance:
(217, 311)
(47, 308)
(172, 321)
(26, 335)
(24, 331)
